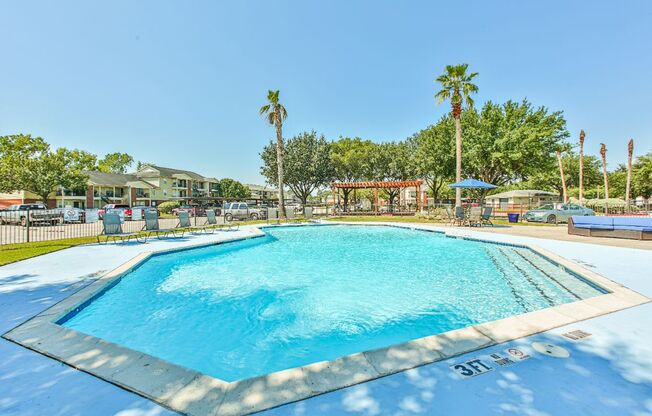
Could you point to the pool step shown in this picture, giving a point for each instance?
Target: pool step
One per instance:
(558, 274)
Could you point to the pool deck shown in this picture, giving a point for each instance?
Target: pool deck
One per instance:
(609, 372)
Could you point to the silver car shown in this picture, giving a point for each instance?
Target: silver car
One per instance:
(548, 213)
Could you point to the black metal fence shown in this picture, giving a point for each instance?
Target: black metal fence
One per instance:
(59, 224)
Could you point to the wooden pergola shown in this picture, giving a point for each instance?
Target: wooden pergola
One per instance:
(379, 185)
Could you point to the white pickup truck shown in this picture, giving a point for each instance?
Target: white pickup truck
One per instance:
(243, 211)
(38, 214)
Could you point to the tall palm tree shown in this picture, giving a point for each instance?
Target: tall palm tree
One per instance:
(630, 152)
(582, 135)
(457, 86)
(275, 113)
(563, 178)
(603, 154)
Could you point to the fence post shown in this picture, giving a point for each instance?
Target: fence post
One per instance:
(27, 223)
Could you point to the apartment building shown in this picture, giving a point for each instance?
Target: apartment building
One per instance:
(150, 186)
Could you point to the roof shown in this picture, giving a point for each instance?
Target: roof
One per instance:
(384, 184)
(521, 193)
(255, 187)
(170, 172)
(110, 179)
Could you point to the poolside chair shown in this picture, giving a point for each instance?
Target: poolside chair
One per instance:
(290, 215)
(272, 214)
(211, 221)
(475, 217)
(112, 229)
(184, 222)
(486, 216)
(152, 226)
(307, 213)
(460, 216)
(450, 216)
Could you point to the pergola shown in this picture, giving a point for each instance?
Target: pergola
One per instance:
(376, 186)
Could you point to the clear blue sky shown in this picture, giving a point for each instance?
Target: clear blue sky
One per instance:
(180, 83)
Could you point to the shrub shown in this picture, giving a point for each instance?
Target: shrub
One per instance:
(167, 206)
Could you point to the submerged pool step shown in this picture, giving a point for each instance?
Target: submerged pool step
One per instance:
(558, 274)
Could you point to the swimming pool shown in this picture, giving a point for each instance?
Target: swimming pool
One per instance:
(306, 294)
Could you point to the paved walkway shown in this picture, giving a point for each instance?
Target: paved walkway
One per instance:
(608, 373)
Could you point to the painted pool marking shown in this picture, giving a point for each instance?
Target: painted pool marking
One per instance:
(517, 354)
(471, 368)
(577, 334)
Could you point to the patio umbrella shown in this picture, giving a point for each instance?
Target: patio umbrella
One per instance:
(472, 184)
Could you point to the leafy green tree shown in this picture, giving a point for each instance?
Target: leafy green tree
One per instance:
(391, 161)
(457, 86)
(549, 179)
(230, 188)
(307, 164)
(351, 160)
(115, 163)
(276, 114)
(642, 176)
(512, 141)
(434, 155)
(30, 165)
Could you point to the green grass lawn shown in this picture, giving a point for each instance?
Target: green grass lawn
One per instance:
(11, 253)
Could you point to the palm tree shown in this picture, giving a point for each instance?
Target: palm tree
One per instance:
(563, 178)
(582, 135)
(630, 151)
(603, 153)
(275, 114)
(457, 87)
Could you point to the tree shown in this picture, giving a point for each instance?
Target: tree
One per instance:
(434, 159)
(563, 178)
(307, 164)
(581, 174)
(642, 176)
(33, 167)
(603, 155)
(140, 165)
(630, 151)
(512, 141)
(391, 161)
(230, 188)
(457, 87)
(351, 162)
(276, 114)
(115, 163)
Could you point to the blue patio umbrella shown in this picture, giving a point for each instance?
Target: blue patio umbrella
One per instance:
(472, 184)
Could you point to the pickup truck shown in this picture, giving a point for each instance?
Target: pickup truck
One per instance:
(243, 211)
(38, 214)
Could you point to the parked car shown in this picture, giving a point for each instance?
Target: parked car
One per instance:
(548, 213)
(125, 207)
(38, 214)
(185, 208)
(243, 211)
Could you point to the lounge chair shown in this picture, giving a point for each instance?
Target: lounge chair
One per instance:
(450, 216)
(307, 213)
(486, 216)
(272, 214)
(290, 215)
(152, 226)
(112, 229)
(184, 222)
(212, 224)
(475, 217)
(460, 216)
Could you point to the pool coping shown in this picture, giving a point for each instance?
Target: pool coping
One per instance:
(190, 392)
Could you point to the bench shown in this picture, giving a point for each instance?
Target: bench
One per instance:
(638, 228)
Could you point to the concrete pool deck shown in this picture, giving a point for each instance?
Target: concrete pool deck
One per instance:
(33, 384)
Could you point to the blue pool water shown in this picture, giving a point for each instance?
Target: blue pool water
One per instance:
(307, 294)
